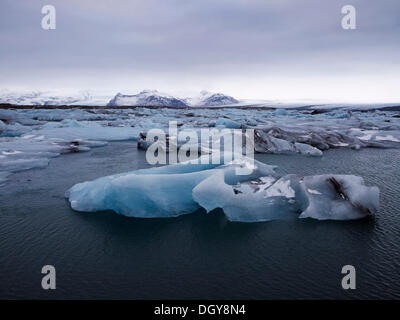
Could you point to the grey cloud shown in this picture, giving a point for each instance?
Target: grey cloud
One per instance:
(202, 38)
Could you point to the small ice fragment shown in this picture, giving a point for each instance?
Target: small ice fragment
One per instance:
(387, 138)
(313, 191)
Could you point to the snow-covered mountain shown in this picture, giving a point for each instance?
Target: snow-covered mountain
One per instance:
(214, 99)
(147, 98)
(144, 98)
(156, 98)
(51, 98)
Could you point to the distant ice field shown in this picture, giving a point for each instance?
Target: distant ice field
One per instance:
(30, 138)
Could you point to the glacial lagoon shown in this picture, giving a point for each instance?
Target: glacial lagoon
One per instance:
(198, 255)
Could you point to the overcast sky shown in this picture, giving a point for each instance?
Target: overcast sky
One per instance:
(261, 49)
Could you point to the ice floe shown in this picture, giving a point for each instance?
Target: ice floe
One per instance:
(183, 188)
(44, 133)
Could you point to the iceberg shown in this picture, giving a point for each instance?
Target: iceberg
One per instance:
(93, 132)
(338, 197)
(261, 195)
(155, 192)
(35, 151)
(2, 126)
(40, 133)
(228, 123)
(334, 197)
(266, 143)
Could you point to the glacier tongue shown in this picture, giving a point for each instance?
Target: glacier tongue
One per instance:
(178, 189)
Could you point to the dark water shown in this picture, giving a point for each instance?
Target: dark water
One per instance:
(104, 255)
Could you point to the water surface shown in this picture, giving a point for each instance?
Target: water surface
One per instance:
(105, 255)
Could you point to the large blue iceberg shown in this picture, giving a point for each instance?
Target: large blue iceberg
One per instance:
(261, 195)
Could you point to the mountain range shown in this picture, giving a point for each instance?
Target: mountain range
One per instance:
(143, 98)
(156, 98)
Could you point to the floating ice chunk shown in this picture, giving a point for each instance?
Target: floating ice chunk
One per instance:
(27, 136)
(61, 114)
(32, 151)
(387, 138)
(251, 122)
(77, 145)
(13, 130)
(313, 191)
(307, 149)
(8, 114)
(96, 133)
(265, 142)
(227, 123)
(10, 152)
(66, 123)
(3, 126)
(366, 137)
(154, 192)
(340, 197)
(214, 193)
(340, 144)
(14, 165)
(182, 188)
(281, 112)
